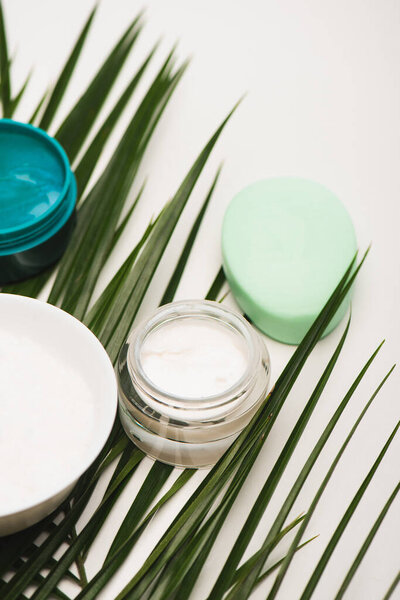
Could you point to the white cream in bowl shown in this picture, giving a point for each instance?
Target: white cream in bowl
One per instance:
(58, 401)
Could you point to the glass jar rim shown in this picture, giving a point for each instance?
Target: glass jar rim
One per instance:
(204, 309)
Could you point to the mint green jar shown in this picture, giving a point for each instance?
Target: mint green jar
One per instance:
(286, 242)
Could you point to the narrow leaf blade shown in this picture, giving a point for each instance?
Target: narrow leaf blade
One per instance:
(62, 82)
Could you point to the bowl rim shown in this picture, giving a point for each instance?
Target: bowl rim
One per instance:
(101, 433)
(55, 147)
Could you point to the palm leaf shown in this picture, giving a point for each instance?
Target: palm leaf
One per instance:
(21, 544)
(38, 560)
(39, 107)
(27, 573)
(320, 491)
(315, 577)
(69, 574)
(151, 486)
(216, 285)
(367, 543)
(171, 584)
(62, 82)
(177, 485)
(100, 213)
(88, 162)
(180, 573)
(247, 586)
(123, 471)
(272, 480)
(125, 307)
(169, 293)
(392, 587)
(30, 287)
(79, 122)
(104, 305)
(18, 97)
(89, 532)
(226, 576)
(5, 84)
(121, 227)
(239, 574)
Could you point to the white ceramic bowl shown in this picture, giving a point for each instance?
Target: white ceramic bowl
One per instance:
(58, 400)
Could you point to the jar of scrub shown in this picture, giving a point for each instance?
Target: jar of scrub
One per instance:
(190, 378)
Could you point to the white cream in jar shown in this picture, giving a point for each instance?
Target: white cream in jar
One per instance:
(190, 379)
(194, 358)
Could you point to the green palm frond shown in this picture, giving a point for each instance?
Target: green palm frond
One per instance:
(5, 84)
(392, 587)
(100, 213)
(18, 97)
(170, 291)
(42, 556)
(38, 108)
(321, 489)
(345, 519)
(226, 576)
(367, 543)
(88, 162)
(242, 572)
(213, 526)
(298, 484)
(73, 131)
(61, 84)
(216, 285)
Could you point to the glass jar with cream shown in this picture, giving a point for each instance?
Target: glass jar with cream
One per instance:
(190, 379)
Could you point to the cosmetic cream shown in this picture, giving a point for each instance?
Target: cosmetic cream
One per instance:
(58, 399)
(190, 379)
(47, 417)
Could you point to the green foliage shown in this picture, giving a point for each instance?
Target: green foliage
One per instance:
(9, 104)
(5, 84)
(366, 544)
(312, 583)
(65, 75)
(392, 587)
(42, 555)
(80, 120)
(321, 489)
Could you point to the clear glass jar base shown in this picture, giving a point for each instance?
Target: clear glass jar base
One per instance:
(172, 452)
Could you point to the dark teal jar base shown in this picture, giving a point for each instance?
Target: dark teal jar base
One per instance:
(22, 265)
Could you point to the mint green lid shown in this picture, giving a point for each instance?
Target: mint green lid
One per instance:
(286, 242)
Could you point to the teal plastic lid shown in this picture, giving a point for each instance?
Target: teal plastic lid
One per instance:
(286, 242)
(37, 187)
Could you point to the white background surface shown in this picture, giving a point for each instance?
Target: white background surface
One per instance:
(323, 103)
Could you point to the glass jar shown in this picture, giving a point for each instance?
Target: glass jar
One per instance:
(185, 430)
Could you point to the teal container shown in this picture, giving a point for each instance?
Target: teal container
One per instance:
(37, 201)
